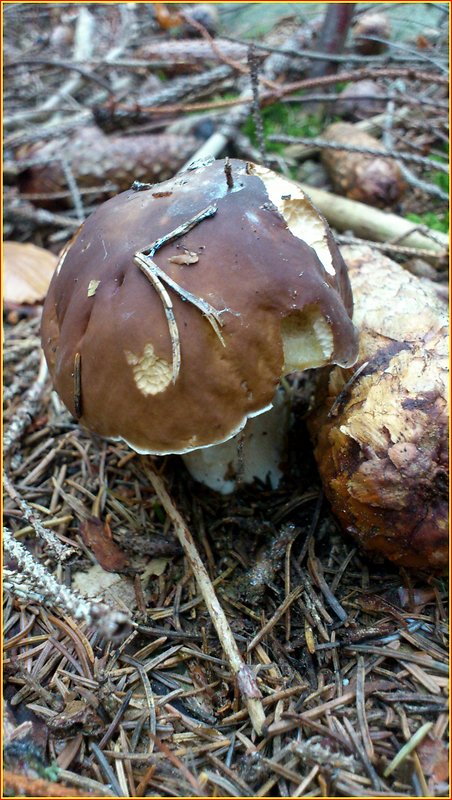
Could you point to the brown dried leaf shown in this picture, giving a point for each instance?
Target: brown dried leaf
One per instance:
(97, 537)
(434, 757)
(27, 272)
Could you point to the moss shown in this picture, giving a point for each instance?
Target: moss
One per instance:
(282, 118)
(437, 222)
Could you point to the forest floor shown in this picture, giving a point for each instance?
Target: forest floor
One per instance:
(349, 653)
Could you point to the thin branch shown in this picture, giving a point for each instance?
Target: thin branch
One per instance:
(143, 258)
(371, 151)
(413, 180)
(149, 268)
(245, 678)
(33, 578)
(56, 548)
(24, 415)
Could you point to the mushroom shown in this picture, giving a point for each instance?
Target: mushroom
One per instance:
(177, 308)
(371, 33)
(380, 431)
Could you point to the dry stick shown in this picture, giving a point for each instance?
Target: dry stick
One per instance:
(326, 144)
(413, 180)
(83, 49)
(70, 65)
(390, 248)
(22, 786)
(31, 577)
(55, 547)
(73, 188)
(18, 209)
(143, 259)
(245, 679)
(371, 223)
(293, 51)
(24, 414)
(280, 611)
(253, 66)
(361, 74)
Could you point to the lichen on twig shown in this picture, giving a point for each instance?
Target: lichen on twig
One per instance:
(32, 579)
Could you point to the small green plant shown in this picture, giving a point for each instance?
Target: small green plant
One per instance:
(440, 179)
(437, 222)
(281, 118)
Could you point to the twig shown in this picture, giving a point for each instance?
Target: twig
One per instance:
(253, 66)
(246, 681)
(83, 48)
(387, 247)
(431, 78)
(48, 62)
(348, 58)
(413, 180)
(22, 786)
(335, 97)
(56, 548)
(144, 259)
(36, 578)
(73, 188)
(371, 151)
(345, 214)
(149, 268)
(25, 413)
(17, 209)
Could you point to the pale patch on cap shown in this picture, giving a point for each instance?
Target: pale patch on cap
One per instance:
(307, 340)
(301, 216)
(151, 374)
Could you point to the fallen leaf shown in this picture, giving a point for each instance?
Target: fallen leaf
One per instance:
(97, 537)
(107, 586)
(156, 566)
(433, 754)
(27, 272)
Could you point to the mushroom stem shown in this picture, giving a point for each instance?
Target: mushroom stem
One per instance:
(255, 452)
(246, 680)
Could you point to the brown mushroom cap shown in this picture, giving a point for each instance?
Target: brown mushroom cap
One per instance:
(266, 260)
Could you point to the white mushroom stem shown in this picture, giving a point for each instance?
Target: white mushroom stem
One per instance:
(256, 452)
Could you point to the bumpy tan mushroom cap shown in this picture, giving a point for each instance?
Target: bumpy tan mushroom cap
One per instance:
(265, 259)
(381, 441)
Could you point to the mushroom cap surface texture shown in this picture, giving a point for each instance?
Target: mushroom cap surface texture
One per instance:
(265, 260)
(380, 430)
